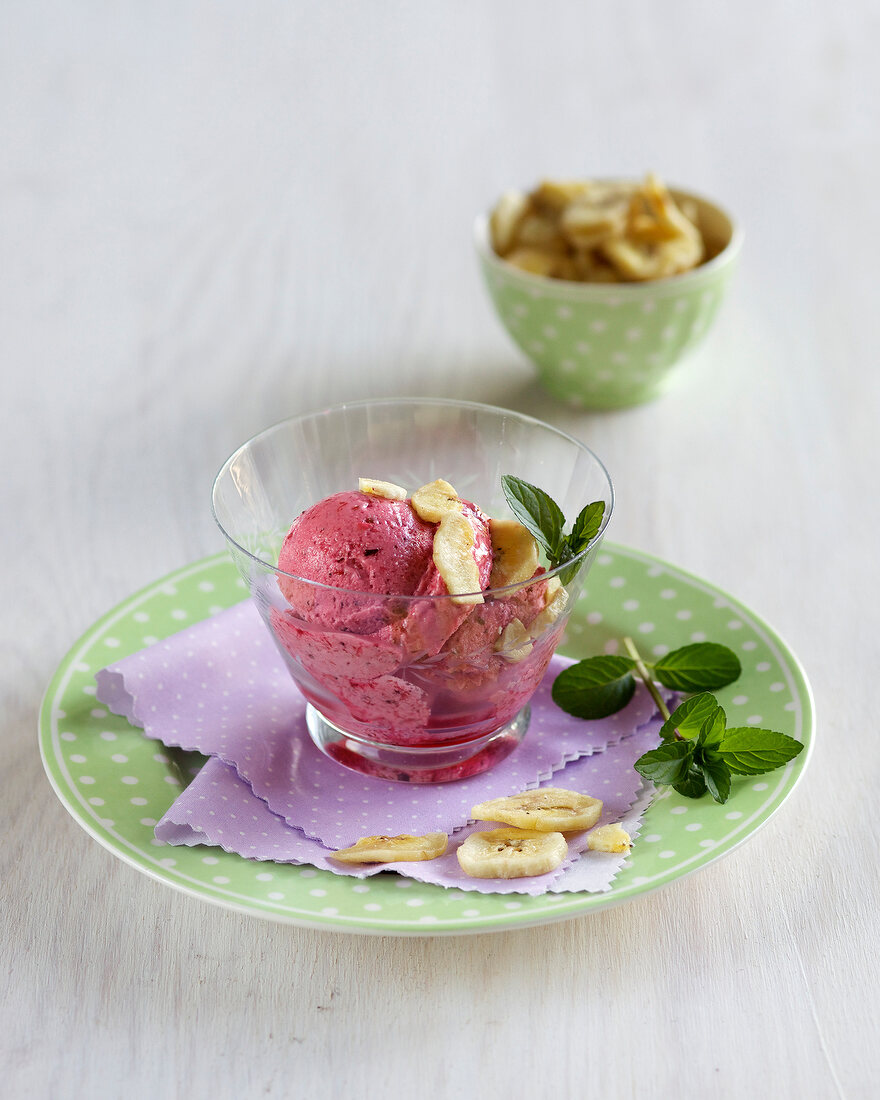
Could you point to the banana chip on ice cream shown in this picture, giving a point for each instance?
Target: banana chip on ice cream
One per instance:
(386, 489)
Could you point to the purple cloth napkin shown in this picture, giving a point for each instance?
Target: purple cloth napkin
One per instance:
(219, 808)
(221, 687)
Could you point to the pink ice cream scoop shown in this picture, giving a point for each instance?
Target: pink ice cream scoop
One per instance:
(373, 637)
(357, 544)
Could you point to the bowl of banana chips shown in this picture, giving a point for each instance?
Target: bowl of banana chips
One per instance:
(606, 285)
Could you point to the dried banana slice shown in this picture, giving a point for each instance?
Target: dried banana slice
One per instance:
(435, 500)
(586, 224)
(680, 255)
(511, 853)
(666, 212)
(609, 838)
(533, 260)
(555, 195)
(636, 260)
(514, 644)
(385, 489)
(590, 267)
(454, 540)
(394, 849)
(645, 260)
(505, 220)
(645, 227)
(548, 809)
(536, 231)
(453, 555)
(557, 598)
(514, 553)
(554, 589)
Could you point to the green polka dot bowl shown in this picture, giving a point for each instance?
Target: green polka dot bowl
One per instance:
(610, 345)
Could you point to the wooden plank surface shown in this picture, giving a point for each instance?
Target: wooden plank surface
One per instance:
(215, 215)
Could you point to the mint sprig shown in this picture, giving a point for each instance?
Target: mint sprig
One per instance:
(542, 516)
(600, 686)
(698, 753)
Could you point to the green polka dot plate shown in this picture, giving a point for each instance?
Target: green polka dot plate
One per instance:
(116, 784)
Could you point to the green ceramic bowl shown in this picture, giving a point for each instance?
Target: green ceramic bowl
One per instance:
(605, 346)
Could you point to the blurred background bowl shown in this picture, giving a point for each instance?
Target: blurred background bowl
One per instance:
(609, 345)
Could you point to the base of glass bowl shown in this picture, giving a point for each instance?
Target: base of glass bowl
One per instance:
(416, 763)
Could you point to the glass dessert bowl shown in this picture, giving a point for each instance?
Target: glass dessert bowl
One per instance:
(411, 609)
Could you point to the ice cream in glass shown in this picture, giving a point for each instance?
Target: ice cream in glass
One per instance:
(412, 610)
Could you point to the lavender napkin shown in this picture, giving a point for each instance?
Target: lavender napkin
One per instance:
(221, 809)
(267, 793)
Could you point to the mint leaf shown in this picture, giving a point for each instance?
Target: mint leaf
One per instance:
(693, 785)
(747, 750)
(688, 718)
(585, 529)
(713, 729)
(596, 687)
(567, 574)
(703, 666)
(536, 511)
(669, 763)
(586, 526)
(717, 776)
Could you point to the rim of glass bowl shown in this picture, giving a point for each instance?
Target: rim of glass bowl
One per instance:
(591, 291)
(435, 402)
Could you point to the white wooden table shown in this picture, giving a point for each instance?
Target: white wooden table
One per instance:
(215, 215)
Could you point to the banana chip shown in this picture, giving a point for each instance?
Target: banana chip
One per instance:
(555, 195)
(609, 838)
(514, 644)
(545, 810)
(454, 557)
(514, 553)
(511, 853)
(454, 540)
(435, 500)
(557, 599)
(585, 223)
(394, 849)
(536, 262)
(598, 232)
(385, 489)
(508, 213)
